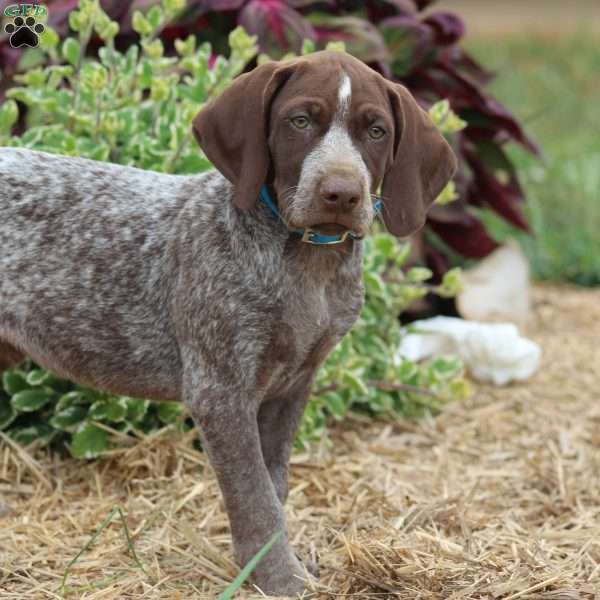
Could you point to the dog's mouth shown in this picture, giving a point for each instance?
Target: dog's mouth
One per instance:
(330, 224)
(329, 228)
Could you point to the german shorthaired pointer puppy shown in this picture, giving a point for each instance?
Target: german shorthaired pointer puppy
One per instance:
(228, 289)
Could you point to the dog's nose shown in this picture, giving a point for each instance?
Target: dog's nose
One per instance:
(340, 192)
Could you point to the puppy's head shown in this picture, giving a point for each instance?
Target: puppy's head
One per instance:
(326, 131)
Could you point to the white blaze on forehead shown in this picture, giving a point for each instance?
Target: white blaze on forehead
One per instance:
(344, 94)
(335, 149)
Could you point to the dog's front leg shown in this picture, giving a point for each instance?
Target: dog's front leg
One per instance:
(229, 431)
(278, 421)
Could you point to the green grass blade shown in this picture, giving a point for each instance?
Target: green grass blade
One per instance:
(130, 545)
(88, 544)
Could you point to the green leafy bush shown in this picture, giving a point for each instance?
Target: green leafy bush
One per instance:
(135, 108)
(131, 108)
(35, 405)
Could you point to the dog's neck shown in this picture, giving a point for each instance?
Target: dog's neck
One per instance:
(325, 262)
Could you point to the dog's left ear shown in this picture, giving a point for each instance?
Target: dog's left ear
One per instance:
(232, 129)
(421, 165)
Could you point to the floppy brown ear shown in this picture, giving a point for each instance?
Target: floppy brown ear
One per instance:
(422, 164)
(232, 129)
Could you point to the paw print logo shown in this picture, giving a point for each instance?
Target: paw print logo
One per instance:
(24, 32)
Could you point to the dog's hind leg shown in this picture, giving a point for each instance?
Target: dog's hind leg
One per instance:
(9, 356)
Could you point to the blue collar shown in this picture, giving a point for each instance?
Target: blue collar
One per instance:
(308, 235)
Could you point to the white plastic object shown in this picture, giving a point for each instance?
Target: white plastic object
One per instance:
(493, 352)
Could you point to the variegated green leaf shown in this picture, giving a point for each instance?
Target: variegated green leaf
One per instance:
(33, 399)
(89, 441)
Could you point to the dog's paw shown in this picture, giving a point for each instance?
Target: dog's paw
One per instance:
(24, 32)
(281, 576)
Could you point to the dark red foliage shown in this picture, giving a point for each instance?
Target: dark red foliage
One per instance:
(400, 39)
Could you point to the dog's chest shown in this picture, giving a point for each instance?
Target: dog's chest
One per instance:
(312, 318)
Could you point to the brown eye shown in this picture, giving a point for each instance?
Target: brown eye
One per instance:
(300, 122)
(376, 133)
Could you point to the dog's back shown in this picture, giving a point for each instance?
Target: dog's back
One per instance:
(84, 249)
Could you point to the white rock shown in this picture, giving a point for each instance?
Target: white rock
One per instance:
(497, 288)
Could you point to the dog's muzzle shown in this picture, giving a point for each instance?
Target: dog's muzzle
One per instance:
(309, 236)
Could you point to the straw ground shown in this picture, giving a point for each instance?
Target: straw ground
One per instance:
(495, 498)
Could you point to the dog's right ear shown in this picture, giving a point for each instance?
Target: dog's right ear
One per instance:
(232, 129)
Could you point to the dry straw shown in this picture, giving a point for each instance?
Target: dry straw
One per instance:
(497, 498)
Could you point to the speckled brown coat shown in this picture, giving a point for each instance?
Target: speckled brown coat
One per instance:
(184, 287)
